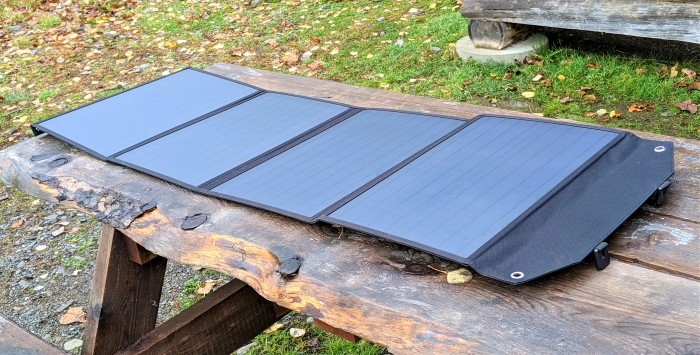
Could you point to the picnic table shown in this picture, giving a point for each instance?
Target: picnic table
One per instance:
(646, 301)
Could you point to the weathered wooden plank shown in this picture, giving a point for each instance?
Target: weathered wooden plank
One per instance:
(659, 242)
(219, 324)
(137, 253)
(335, 331)
(15, 340)
(124, 297)
(496, 34)
(675, 19)
(352, 283)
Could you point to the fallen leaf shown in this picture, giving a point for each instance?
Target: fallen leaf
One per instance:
(272, 42)
(208, 286)
(370, 56)
(590, 97)
(384, 85)
(687, 105)
(547, 82)
(590, 115)
(335, 51)
(507, 75)
(493, 75)
(640, 106)
(695, 85)
(640, 71)
(18, 223)
(218, 46)
(561, 77)
(615, 114)
(296, 332)
(682, 84)
(315, 65)
(468, 82)
(73, 315)
(601, 112)
(379, 75)
(273, 328)
(290, 58)
(459, 276)
(688, 73)
(315, 40)
(674, 71)
(171, 45)
(592, 65)
(537, 77)
(565, 99)
(528, 94)
(353, 53)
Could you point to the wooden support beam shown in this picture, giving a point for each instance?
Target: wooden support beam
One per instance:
(137, 253)
(336, 331)
(496, 34)
(672, 20)
(14, 340)
(124, 299)
(219, 324)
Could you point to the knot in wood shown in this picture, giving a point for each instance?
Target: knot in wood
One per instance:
(194, 221)
(290, 268)
(58, 162)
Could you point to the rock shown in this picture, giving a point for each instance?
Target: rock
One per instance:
(64, 306)
(306, 56)
(310, 320)
(380, 19)
(39, 288)
(459, 276)
(23, 283)
(244, 349)
(435, 49)
(415, 12)
(15, 28)
(21, 265)
(296, 332)
(72, 344)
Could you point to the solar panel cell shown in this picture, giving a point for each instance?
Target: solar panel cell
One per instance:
(208, 148)
(109, 126)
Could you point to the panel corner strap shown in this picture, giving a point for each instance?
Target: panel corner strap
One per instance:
(469, 191)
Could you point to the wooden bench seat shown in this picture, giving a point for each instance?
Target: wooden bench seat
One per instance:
(15, 340)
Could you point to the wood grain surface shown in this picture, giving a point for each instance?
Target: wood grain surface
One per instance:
(14, 340)
(677, 20)
(646, 301)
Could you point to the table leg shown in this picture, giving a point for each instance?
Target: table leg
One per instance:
(124, 299)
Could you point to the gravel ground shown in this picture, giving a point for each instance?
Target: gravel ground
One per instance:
(44, 272)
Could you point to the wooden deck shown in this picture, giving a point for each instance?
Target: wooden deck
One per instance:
(646, 301)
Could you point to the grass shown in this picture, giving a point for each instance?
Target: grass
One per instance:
(16, 96)
(49, 22)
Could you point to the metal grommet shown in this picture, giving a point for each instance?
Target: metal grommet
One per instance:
(659, 149)
(517, 275)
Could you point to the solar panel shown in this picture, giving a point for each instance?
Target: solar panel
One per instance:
(206, 149)
(322, 170)
(463, 192)
(108, 126)
(513, 198)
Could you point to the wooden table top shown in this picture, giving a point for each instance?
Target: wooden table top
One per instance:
(646, 301)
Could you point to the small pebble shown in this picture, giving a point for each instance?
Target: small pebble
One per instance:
(310, 320)
(72, 344)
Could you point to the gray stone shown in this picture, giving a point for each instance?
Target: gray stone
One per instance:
(245, 349)
(72, 344)
(516, 51)
(23, 283)
(64, 306)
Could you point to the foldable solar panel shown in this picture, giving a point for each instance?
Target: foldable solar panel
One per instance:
(513, 198)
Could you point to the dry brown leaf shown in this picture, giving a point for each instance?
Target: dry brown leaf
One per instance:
(688, 73)
(315, 65)
(687, 105)
(590, 115)
(592, 65)
(681, 84)
(640, 106)
(565, 99)
(674, 71)
(615, 114)
(315, 40)
(695, 85)
(272, 42)
(507, 75)
(547, 82)
(590, 97)
(290, 58)
(640, 71)
(18, 223)
(208, 286)
(73, 315)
